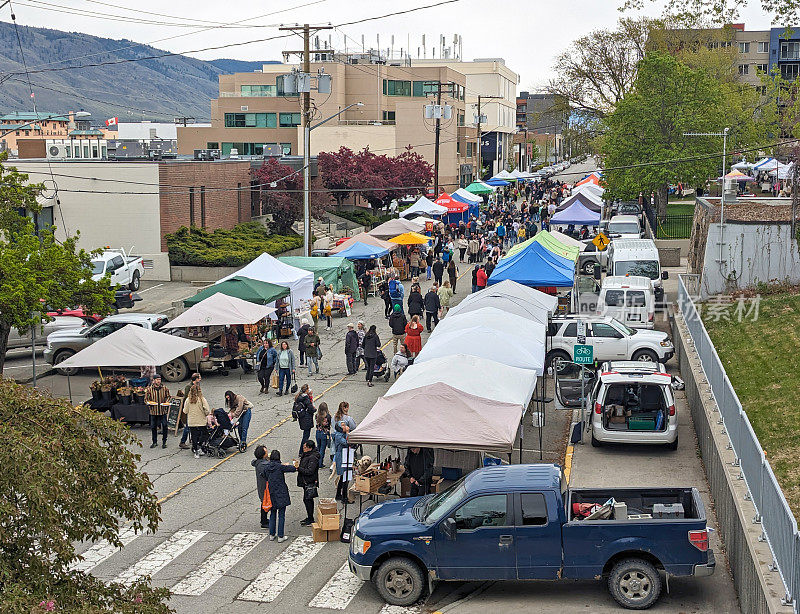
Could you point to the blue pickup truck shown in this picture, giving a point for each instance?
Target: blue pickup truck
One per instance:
(517, 522)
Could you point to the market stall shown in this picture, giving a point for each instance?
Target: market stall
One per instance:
(363, 251)
(479, 187)
(424, 206)
(335, 271)
(457, 211)
(546, 239)
(251, 290)
(222, 309)
(584, 198)
(511, 297)
(576, 214)
(411, 238)
(537, 267)
(392, 228)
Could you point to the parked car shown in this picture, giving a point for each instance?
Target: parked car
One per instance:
(633, 403)
(520, 522)
(629, 299)
(122, 269)
(624, 227)
(17, 339)
(637, 257)
(320, 253)
(77, 312)
(610, 338)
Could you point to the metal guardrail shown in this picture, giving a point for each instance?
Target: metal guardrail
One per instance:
(778, 524)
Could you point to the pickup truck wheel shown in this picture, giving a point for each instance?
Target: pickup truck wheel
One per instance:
(588, 267)
(635, 584)
(559, 360)
(61, 357)
(399, 581)
(175, 370)
(645, 356)
(135, 282)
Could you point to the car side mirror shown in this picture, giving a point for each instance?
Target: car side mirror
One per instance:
(664, 274)
(448, 527)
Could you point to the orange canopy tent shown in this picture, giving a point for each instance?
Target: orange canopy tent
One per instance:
(453, 205)
(590, 179)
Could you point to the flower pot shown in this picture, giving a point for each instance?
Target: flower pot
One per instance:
(125, 399)
(95, 394)
(107, 395)
(138, 398)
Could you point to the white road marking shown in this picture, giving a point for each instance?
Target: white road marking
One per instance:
(339, 591)
(102, 550)
(218, 564)
(270, 582)
(148, 289)
(160, 556)
(399, 609)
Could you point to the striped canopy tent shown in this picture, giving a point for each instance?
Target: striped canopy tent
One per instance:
(582, 198)
(363, 237)
(738, 176)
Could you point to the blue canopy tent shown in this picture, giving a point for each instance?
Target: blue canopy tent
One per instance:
(535, 266)
(471, 200)
(576, 214)
(496, 182)
(362, 251)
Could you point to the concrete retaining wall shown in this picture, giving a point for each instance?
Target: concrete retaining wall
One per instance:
(669, 256)
(681, 244)
(759, 589)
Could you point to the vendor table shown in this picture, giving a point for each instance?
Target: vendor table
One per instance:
(342, 303)
(135, 413)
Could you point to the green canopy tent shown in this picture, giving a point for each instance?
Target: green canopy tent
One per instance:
(335, 271)
(252, 290)
(478, 187)
(547, 241)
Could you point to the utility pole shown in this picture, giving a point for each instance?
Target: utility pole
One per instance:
(305, 122)
(478, 122)
(437, 112)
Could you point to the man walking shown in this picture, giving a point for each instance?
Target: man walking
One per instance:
(157, 398)
(432, 307)
(397, 322)
(351, 348)
(312, 350)
(438, 271)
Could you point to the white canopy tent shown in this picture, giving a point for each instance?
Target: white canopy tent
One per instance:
(744, 165)
(494, 319)
(517, 348)
(477, 376)
(511, 297)
(468, 196)
(132, 346)
(505, 176)
(781, 171)
(567, 240)
(424, 206)
(222, 310)
(393, 228)
(270, 269)
(764, 164)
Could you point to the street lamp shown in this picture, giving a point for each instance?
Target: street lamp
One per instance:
(61, 115)
(307, 174)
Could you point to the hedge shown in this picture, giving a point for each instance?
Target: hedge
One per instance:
(235, 247)
(363, 218)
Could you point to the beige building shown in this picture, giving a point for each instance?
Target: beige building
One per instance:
(250, 114)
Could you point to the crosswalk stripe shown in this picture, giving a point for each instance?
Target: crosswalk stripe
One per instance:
(160, 556)
(218, 564)
(277, 576)
(339, 590)
(400, 609)
(102, 550)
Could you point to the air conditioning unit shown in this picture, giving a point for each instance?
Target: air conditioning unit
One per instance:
(56, 151)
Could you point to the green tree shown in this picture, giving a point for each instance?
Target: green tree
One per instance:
(669, 99)
(69, 476)
(36, 270)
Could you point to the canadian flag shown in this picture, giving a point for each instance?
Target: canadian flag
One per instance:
(112, 121)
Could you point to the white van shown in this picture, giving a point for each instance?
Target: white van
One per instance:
(624, 227)
(631, 300)
(629, 257)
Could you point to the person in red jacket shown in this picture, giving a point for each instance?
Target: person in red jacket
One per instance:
(413, 340)
(482, 278)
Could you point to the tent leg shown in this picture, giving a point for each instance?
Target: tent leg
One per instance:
(69, 390)
(521, 438)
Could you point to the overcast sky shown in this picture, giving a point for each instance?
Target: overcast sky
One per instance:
(528, 35)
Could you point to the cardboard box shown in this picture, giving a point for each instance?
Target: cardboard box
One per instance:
(405, 487)
(333, 535)
(317, 534)
(437, 484)
(327, 506)
(371, 481)
(327, 522)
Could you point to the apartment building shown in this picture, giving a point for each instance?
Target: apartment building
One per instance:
(784, 52)
(542, 115)
(255, 118)
(24, 125)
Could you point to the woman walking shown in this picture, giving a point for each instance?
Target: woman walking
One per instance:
(196, 408)
(303, 411)
(413, 336)
(260, 463)
(239, 408)
(273, 474)
(323, 422)
(452, 272)
(360, 350)
(372, 344)
(445, 294)
(308, 479)
(416, 303)
(267, 357)
(286, 368)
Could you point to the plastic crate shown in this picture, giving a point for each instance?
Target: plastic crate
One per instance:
(641, 424)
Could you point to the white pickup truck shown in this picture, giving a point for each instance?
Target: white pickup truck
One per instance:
(123, 269)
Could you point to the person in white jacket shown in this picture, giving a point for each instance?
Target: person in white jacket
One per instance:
(399, 361)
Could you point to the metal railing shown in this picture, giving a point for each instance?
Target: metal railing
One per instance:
(778, 524)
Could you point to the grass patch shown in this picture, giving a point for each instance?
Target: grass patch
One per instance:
(674, 208)
(762, 362)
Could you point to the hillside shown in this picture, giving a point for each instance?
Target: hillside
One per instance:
(159, 89)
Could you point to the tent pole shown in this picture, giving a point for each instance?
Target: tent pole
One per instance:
(69, 390)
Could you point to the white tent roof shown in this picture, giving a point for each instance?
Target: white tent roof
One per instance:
(515, 348)
(504, 175)
(477, 376)
(132, 346)
(424, 206)
(469, 196)
(492, 318)
(512, 297)
(744, 165)
(567, 240)
(589, 188)
(593, 195)
(781, 170)
(395, 227)
(270, 269)
(764, 162)
(221, 310)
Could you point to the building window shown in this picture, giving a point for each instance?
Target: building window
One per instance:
(790, 72)
(202, 206)
(103, 152)
(249, 120)
(763, 47)
(469, 148)
(286, 148)
(744, 69)
(191, 207)
(94, 151)
(790, 51)
(212, 145)
(458, 148)
(762, 67)
(744, 47)
(388, 116)
(393, 87)
(77, 150)
(461, 119)
(259, 90)
(289, 120)
(68, 151)
(85, 151)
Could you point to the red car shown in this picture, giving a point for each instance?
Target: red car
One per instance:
(78, 313)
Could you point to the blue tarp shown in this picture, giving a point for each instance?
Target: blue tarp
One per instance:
(362, 251)
(576, 214)
(535, 266)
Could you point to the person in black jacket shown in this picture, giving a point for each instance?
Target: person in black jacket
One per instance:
(372, 344)
(397, 322)
(272, 474)
(415, 302)
(259, 463)
(350, 349)
(308, 479)
(301, 344)
(303, 411)
(438, 271)
(419, 467)
(432, 306)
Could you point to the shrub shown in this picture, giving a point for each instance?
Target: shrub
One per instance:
(235, 247)
(364, 218)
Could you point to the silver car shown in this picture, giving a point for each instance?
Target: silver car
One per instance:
(41, 332)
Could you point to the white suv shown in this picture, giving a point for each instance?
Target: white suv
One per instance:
(632, 402)
(611, 340)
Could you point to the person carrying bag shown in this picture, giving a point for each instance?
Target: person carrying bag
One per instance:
(308, 479)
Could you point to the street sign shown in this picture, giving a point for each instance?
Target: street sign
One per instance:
(581, 334)
(583, 354)
(601, 241)
(537, 418)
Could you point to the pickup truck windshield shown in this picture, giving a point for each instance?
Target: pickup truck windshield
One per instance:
(624, 228)
(644, 268)
(98, 266)
(440, 504)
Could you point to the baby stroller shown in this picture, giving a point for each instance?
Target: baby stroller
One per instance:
(222, 435)
(381, 367)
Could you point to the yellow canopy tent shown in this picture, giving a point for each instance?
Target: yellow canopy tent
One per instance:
(410, 238)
